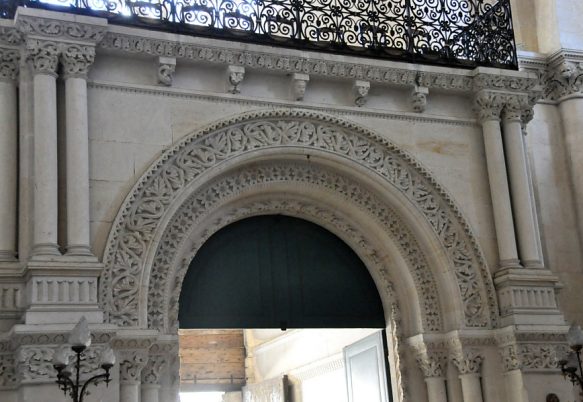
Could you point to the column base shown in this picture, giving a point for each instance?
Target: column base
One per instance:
(7, 255)
(45, 249)
(81, 250)
(506, 264)
(527, 297)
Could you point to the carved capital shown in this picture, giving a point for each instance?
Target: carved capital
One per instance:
(360, 90)
(43, 56)
(10, 36)
(514, 107)
(468, 361)
(510, 357)
(9, 64)
(235, 76)
(564, 79)
(131, 364)
(77, 59)
(166, 69)
(8, 378)
(431, 357)
(488, 105)
(299, 83)
(152, 371)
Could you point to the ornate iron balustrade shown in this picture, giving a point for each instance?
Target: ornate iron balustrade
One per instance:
(462, 33)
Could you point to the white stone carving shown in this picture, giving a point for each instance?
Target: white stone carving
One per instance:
(131, 363)
(163, 307)
(9, 64)
(152, 371)
(431, 357)
(77, 59)
(131, 235)
(360, 90)
(564, 79)
(83, 29)
(11, 297)
(298, 85)
(166, 69)
(419, 98)
(235, 76)
(63, 290)
(44, 56)
(8, 378)
(10, 36)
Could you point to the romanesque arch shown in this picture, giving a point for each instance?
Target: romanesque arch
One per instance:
(304, 164)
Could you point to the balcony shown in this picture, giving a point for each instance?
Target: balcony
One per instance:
(454, 33)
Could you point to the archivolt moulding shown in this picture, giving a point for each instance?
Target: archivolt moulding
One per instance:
(159, 189)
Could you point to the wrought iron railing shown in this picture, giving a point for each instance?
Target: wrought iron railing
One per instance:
(462, 33)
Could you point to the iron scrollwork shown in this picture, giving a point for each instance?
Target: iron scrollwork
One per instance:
(463, 33)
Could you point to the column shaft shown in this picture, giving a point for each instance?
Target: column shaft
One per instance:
(501, 206)
(45, 165)
(129, 392)
(572, 116)
(150, 393)
(471, 387)
(515, 390)
(521, 199)
(436, 391)
(8, 168)
(77, 162)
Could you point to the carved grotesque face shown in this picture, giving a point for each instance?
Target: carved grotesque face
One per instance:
(236, 78)
(566, 70)
(299, 88)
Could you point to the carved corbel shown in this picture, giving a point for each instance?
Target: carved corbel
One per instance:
(564, 79)
(419, 98)
(360, 90)
(77, 59)
(298, 85)
(235, 76)
(166, 69)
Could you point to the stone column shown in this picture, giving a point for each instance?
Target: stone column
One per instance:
(489, 106)
(433, 363)
(9, 63)
(151, 378)
(44, 61)
(131, 364)
(469, 364)
(529, 252)
(76, 62)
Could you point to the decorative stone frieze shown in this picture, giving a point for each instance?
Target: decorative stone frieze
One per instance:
(235, 76)
(166, 69)
(77, 59)
(298, 85)
(264, 129)
(8, 376)
(360, 90)
(10, 36)
(39, 23)
(9, 64)
(419, 98)
(43, 55)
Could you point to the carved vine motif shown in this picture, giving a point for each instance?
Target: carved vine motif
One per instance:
(7, 371)
(163, 313)
(140, 216)
(9, 63)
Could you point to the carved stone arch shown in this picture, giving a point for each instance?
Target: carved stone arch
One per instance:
(140, 224)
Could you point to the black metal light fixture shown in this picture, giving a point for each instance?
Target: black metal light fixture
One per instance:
(69, 372)
(571, 364)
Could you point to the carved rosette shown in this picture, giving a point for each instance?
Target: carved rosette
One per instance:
(43, 56)
(77, 59)
(9, 64)
(131, 364)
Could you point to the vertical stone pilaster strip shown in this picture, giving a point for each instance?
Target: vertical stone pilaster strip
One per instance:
(529, 252)
(9, 64)
(489, 107)
(76, 62)
(44, 60)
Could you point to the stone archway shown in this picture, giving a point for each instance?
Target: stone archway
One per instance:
(142, 237)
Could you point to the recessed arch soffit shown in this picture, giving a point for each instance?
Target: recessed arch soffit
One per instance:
(170, 264)
(154, 194)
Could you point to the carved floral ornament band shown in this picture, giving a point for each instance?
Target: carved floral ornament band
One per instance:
(142, 212)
